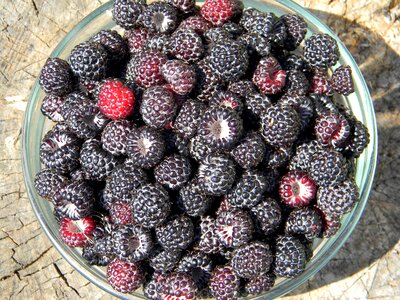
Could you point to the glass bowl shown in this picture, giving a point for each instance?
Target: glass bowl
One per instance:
(36, 125)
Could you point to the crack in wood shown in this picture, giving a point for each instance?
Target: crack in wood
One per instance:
(65, 279)
(35, 7)
(15, 272)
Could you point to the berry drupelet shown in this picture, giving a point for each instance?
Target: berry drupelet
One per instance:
(175, 234)
(158, 107)
(260, 284)
(88, 60)
(296, 189)
(151, 205)
(164, 260)
(95, 161)
(145, 147)
(124, 276)
(303, 106)
(229, 60)
(303, 157)
(280, 125)
(332, 129)
(159, 17)
(228, 100)
(178, 285)
(269, 77)
(51, 107)
(115, 100)
(224, 283)
(185, 44)
(76, 233)
(131, 242)
(198, 265)
(220, 128)
(114, 136)
(234, 228)
(180, 76)
(248, 190)
(252, 260)
(305, 221)
(250, 151)
(145, 68)
(321, 51)
(136, 39)
(218, 12)
(267, 215)
(84, 117)
(296, 28)
(114, 44)
(126, 12)
(56, 77)
(74, 200)
(339, 199)
(48, 182)
(173, 172)
(341, 81)
(124, 180)
(290, 258)
(60, 150)
(328, 168)
(216, 174)
(188, 118)
(193, 200)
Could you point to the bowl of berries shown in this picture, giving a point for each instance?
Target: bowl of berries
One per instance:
(174, 149)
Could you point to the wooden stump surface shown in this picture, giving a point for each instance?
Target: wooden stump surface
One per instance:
(367, 267)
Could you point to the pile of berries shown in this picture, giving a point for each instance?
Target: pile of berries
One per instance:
(196, 154)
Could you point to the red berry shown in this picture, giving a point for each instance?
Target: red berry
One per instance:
(76, 233)
(136, 39)
(121, 213)
(332, 129)
(144, 68)
(180, 76)
(220, 11)
(178, 285)
(197, 23)
(296, 189)
(224, 283)
(116, 101)
(125, 277)
(319, 83)
(269, 76)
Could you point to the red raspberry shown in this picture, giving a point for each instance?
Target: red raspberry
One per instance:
(144, 68)
(296, 189)
(180, 76)
(125, 277)
(121, 213)
(76, 233)
(136, 39)
(220, 11)
(116, 101)
(332, 129)
(197, 23)
(269, 76)
(319, 83)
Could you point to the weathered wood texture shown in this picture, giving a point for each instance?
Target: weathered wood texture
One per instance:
(368, 266)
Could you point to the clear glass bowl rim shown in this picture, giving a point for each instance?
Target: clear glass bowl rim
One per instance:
(330, 247)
